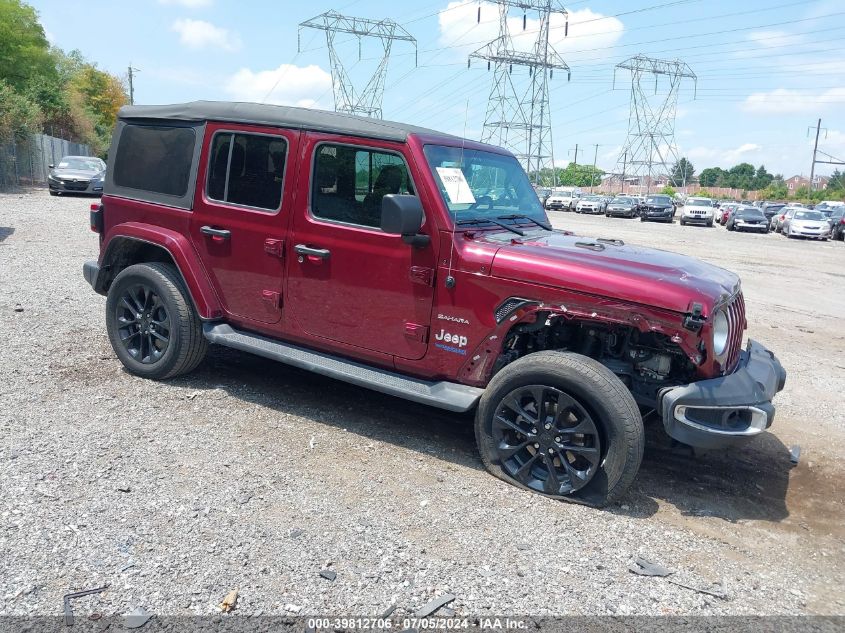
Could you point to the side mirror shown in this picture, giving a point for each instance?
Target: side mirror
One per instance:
(403, 215)
(51, 166)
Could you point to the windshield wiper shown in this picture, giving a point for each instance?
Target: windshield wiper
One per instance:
(491, 221)
(520, 216)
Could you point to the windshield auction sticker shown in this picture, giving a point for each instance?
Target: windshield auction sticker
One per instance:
(457, 187)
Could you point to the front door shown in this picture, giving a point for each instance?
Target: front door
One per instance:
(240, 217)
(349, 282)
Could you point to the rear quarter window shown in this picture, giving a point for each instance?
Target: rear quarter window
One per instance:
(155, 158)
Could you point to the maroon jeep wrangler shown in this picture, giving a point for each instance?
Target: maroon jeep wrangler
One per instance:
(423, 266)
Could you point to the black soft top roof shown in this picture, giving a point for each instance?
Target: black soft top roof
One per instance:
(275, 115)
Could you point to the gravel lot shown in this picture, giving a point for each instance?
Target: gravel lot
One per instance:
(255, 476)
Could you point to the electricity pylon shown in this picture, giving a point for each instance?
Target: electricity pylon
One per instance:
(346, 99)
(650, 147)
(517, 116)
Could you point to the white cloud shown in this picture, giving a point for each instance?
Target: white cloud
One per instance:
(747, 152)
(303, 86)
(199, 34)
(783, 101)
(461, 31)
(189, 4)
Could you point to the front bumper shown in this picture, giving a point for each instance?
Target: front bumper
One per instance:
(620, 211)
(657, 214)
(808, 232)
(80, 186)
(557, 206)
(697, 219)
(727, 410)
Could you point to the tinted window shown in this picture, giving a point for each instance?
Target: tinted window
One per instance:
(247, 169)
(749, 212)
(349, 183)
(808, 215)
(659, 200)
(155, 158)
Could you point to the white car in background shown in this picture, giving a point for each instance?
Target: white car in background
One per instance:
(590, 204)
(806, 223)
(697, 211)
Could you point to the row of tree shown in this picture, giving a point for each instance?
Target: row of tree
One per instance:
(42, 88)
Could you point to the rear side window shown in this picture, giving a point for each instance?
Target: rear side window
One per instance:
(349, 183)
(155, 158)
(247, 170)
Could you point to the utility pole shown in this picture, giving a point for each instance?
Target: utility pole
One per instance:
(517, 116)
(575, 162)
(368, 101)
(593, 173)
(815, 151)
(132, 72)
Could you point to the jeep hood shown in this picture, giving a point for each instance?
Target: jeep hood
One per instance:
(619, 271)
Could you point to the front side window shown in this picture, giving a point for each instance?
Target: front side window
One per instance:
(155, 158)
(480, 185)
(348, 183)
(247, 170)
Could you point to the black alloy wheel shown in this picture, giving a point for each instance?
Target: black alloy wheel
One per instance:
(143, 324)
(546, 440)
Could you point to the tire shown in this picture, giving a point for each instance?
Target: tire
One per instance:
(710, 224)
(159, 288)
(607, 451)
(642, 219)
(54, 193)
(682, 222)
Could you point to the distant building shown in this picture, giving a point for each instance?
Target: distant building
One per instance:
(796, 182)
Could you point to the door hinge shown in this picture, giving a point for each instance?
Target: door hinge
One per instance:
(274, 247)
(417, 332)
(422, 275)
(272, 298)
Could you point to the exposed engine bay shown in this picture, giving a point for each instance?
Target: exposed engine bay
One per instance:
(645, 362)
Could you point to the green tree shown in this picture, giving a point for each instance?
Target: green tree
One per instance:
(579, 176)
(711, 177)
(19, 116)
(761, 179)
(740, 176)
(24, 50)
(668, 191)
(682, 173)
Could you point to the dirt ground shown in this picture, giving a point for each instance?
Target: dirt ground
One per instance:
(254, 475)
(795, 307)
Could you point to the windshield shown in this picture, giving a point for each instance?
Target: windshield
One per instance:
(623, 201)
(749, 212)
(592, 199)
(808, 215)
(700, 202)
(482, 185)
(82, 164)
(658, 200)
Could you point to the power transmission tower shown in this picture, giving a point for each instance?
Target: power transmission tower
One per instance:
(517, 116)
(650, 147)
(346, 99)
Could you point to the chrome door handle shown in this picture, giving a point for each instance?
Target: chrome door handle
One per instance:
(221, 233)
(302, 249)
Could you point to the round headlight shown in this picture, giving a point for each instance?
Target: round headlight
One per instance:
(721, 330)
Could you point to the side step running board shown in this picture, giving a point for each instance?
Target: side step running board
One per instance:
(444, 395)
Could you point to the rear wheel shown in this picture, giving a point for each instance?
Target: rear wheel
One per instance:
(151, 322)
(562, 425)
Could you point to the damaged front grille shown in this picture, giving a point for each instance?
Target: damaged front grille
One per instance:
(736, 322)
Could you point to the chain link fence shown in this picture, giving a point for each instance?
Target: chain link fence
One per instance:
(26, 163)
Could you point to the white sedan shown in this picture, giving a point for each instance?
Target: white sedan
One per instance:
(591, 204)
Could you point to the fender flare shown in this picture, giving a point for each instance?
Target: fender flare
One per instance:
(181, 252)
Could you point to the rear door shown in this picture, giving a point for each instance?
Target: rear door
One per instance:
(348, 282)
(240, 217)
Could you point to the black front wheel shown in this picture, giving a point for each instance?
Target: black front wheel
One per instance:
(562, 425)
(151, 322)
